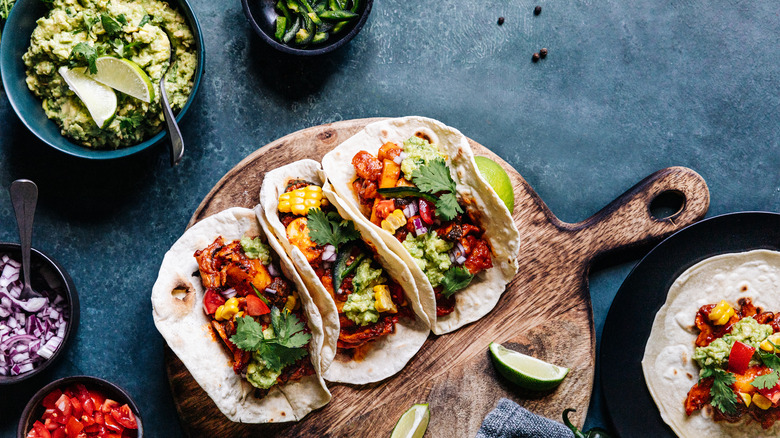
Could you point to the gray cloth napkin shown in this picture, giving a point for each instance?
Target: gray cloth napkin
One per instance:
(510, 420)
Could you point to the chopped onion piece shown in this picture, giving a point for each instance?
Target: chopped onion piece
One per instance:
(230, 293)
(270, 291)
(273, 271)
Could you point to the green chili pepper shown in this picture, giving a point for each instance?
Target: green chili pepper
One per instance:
(338, 15)
(355, 5)
(334, 5)
(596, 432)
(286, 12)
(290, 34)
(261, 296)
(319, 37)
(281, 26)
(310, 12)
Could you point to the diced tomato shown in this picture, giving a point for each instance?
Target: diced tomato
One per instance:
(77, 409)
(50, 424)
(108, 405)
(64, 406)
(384, 208)
(255, 306)
(38, 431)
(73, 427)
(427, 210)
(112, 425)
(51, 398)
(87, 420)
(211, 301)
(739, 357)
(124, 416)
(59, 433)
(98, 416)
(95, 429)
(772, 393)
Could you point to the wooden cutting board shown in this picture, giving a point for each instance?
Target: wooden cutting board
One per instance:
(545, 311)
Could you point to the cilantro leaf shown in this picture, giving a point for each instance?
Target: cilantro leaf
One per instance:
(145, 19)
(249, 334)
(433, 177)
(723, 397)
(455, 279)
(447, 206)
(286, 346)
(83, 53)
(90, 21)
(330, 228)
(131, 122)
(122, 49)
(769, 359)
(766, 381)
(113, 26)
(5, 8)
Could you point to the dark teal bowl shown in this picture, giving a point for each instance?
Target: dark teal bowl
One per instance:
(16, 40)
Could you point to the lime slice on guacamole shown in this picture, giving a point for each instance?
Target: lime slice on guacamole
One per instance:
(413, 422)
(498, 179)
(526, 371)
(125, 76)
(99, 99)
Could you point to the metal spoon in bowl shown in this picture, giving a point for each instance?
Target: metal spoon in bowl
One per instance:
(24, 197)
(174, 134)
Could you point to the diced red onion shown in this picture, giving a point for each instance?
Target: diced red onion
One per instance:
(329, 254)
(411, 209)
(397, 160)
(270, 291)
(273, 270)
(229, 293)
(31, 330)
(458, 254)
(419, 228)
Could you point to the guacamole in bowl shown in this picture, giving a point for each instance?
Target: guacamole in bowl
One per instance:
(38, 40)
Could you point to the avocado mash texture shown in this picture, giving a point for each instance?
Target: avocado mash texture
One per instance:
(361, 305)
(431, 253)
(256, 249)
(418, 153)
(136, 30)
(747, 330)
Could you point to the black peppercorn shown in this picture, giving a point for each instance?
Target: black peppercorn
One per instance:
(543, 53)
(500, 21)
(537, 10)
(535, 57)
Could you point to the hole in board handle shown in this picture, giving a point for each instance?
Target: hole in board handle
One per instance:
(667, 204)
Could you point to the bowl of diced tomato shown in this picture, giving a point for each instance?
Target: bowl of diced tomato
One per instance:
(80, 406)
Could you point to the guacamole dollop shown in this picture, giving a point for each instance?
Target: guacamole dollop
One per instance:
(361, 304)
(431, 253)
(136, 30)
(418, 153)
(256, 249)
(746, 330)
(257, 372)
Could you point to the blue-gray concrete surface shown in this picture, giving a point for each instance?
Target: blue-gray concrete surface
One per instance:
(628, 87)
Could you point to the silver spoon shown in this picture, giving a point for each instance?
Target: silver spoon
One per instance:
(24, 197)
(174, 134)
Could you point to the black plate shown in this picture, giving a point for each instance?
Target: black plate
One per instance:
(631, 315)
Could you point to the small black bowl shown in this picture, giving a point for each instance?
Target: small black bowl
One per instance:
(42, 263)
(34, 409)
(262, 16)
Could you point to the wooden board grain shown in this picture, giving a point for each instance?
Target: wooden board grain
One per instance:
(545, 310)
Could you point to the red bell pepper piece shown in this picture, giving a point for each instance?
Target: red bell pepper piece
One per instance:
(739, 357)
(212, 301)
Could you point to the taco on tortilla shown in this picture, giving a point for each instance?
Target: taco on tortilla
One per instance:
(365, 293)
(711, 362)
(230, 304)
(415, 183)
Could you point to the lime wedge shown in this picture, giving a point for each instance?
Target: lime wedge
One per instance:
(125, 76)
(526, 371)
(99, 99)
(498, 179)
(413, 422)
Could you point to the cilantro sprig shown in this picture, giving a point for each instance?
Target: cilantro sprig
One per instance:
(723, 397)
(286, 346)
(113, 26)
(330, 228)
(85, 54)
(771, 360)
(434, 178)
(455, 279)
(5, 8)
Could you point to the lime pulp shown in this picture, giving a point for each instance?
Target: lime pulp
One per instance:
(413, 422)
(526, 371)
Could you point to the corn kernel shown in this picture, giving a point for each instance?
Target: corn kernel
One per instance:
(383, 300)
(721, 313)
(745, 398)
(227, 310)
(767, 346)
(292, 303)
(299, 201)
(761, 401)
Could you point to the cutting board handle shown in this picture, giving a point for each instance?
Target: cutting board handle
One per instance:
(628, 221)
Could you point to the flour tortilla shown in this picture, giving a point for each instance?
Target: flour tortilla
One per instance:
(387, 355)
(669, 369)
(481, 296)
(186, 328)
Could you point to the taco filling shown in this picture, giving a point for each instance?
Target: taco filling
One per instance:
(737, 350)
(369, 302)
(409, 192)
(255, 311)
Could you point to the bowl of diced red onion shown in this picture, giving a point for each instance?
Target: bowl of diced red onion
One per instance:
(33, 331)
